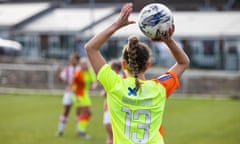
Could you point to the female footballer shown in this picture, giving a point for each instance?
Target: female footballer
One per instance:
(83, 80)
(135, 104)
(66, 75)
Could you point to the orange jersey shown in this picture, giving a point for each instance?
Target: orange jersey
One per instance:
(81, 82)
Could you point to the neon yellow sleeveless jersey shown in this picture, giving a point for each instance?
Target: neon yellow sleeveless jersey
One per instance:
(135, 117)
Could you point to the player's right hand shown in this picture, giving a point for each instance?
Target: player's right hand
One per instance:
(124, 15)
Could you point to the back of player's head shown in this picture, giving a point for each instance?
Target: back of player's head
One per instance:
(84, 63)
(74, 58)
(116, 65)
(136, 54)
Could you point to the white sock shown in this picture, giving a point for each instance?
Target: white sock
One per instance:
(62, 122)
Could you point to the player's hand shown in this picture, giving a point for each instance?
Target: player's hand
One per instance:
(124, 15)
(166, 36)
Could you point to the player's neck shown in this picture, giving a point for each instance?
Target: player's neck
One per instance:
(141, 75)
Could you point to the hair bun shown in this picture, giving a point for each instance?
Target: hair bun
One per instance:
(132, 38)
(133, 41)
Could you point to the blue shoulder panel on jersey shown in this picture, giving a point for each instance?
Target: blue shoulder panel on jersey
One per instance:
(164, 77)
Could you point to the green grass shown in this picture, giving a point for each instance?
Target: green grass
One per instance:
(191, 121)
(32, 119)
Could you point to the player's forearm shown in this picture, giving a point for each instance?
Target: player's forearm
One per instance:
(97, 41)
(178, 53)
(93, 46)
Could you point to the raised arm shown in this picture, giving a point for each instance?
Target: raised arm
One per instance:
(182, 60)
(93, 46)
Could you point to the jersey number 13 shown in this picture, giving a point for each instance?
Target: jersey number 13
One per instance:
(134, 115)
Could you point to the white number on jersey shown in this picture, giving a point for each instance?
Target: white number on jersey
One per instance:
(144, 126)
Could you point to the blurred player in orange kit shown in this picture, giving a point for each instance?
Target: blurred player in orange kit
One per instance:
(83, 80)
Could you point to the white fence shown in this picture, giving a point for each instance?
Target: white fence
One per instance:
(29, 76)
(42, 78)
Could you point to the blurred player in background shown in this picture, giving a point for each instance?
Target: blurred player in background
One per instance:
(136, 105)
(117, 67)
(84, 79)
(66, 75)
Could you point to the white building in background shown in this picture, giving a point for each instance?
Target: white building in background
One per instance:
(211, 39)
(48, 30)
(15, 14)
(208, 38)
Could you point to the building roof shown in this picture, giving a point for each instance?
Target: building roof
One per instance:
(207, 24)
(125, 31)
(67, 20)
(79, 19)
(12, 14)
(188, 25)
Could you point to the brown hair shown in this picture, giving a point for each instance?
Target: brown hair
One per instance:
(136, 55)
(116, 63)
(74, 59)
(76, 56)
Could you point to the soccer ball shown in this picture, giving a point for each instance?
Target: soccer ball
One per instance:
(154, 19)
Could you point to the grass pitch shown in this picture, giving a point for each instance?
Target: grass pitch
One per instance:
(33, 119)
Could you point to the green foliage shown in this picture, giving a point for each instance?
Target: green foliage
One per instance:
(33, 119)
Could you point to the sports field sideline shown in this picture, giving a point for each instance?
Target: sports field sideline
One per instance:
(32, 119)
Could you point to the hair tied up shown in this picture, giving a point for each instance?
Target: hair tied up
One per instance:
(133, 41)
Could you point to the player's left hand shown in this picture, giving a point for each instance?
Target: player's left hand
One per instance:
(166, 36)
